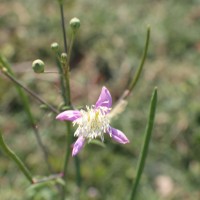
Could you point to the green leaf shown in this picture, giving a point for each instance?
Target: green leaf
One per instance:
(144, 150)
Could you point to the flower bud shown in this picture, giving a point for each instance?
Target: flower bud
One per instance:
(75, 24)
(55, 46)
(5, 70)
(63, 57)
(38, 66)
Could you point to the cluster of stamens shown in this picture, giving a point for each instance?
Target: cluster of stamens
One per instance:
(93, 123)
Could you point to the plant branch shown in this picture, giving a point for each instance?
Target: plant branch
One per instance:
(25, 103)
(66, 93)
(63, 26)
(12, 78)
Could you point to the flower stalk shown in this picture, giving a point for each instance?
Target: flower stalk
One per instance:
(27, 109)
(59, 60)
(14, 80)
(63, 25)
(144, 150)
(64, 68)
(67, 155)
(62, 80)
(70, 50)
(67, 83)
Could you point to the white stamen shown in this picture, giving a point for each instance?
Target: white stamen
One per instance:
(93, 123)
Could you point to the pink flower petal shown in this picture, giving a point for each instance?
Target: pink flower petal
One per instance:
(78, 145)
(69, 115)
(118, 136)
(105, 99)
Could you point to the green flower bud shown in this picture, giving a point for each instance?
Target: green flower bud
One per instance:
(5, 70)
(75, 24)
(55, 46)
(63, 57)
(38, 66)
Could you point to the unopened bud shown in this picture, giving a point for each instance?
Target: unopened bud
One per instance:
(5, 70)
(55, 46)
(38, 66)
(75, 24)
(63, 57)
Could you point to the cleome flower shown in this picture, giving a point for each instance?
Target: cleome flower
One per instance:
(93, 122)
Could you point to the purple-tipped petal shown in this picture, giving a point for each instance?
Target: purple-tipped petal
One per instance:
(69, 115)
(78, 145)
(105, 99)
(118, 135)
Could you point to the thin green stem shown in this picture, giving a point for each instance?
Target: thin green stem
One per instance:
(66, 69)
(144, 150)
(67, 157)
(68, 151)
(62, 80)
(70, 50)
(78, 171)
(16, 159)
(41, 145)
(43, 148)
(25, 103)
(138, 73)
(12, 78)
(63, 25)
(65, 87)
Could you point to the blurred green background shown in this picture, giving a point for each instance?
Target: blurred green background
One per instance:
(108, 48)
